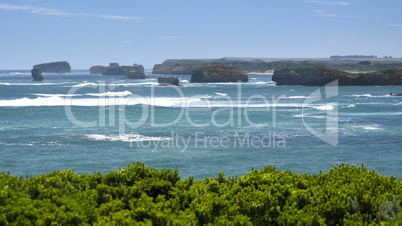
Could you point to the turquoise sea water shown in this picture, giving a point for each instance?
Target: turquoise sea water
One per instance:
(98, 123)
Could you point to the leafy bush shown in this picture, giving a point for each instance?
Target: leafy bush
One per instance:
(348, 195)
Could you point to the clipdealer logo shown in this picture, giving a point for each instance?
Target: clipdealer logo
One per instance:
(239, 105)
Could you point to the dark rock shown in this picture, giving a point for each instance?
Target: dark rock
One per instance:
(396, 94)
(123, 70)
(315, 78)
(37, 75)
(139, 67)
(98, 69)
(168, 81)
(372, 80)
(286, 77)
(135, 75)
(211, 74)
(54, 67)
(319, 76)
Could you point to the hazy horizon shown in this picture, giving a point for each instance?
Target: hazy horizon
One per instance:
(99, 32)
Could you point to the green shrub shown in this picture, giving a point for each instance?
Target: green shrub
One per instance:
(346, 195)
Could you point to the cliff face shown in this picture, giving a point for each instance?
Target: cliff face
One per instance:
(54, 67)
(177, 69)
(98, 69)
(320, 76)
(213, 74)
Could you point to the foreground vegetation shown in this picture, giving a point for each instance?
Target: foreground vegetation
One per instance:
(137, 194)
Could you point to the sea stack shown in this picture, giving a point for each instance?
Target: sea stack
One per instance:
(37, 75)
(217, 73)
(54, 67)
(168, 81)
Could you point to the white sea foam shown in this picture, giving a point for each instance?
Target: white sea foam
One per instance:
(205, 101)
(297, 97)
(137, 84)
(308, 116)
(124, 137)
(222, 94)
(184, 81)
(374, 113)
(85, 83)
(368, 95)
(56, 95)
(39, 83)
(326, 107)
(19, 73)
(55, 100)
(119, 94)
(260, 83)
(369, 127)
(4, 83)
(40, 101)
(361, 95)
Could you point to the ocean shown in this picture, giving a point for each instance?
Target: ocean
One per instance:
(89, 122)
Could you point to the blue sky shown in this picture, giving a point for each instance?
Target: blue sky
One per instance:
(96, 32)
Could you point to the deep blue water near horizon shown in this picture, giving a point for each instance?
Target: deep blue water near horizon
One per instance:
(228, 127)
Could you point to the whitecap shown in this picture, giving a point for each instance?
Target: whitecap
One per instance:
(361, 95)
(222, 94)
(296, 97)
(261, 83)
(137, 84)
(308, 116)
(86, 84)
(56, 95)
(369, 127)
(40, 101)
(4, 83)
(326, 107)
(369, 95)
(40, 83)
(19, 73)
(120, 94)
(125, 137)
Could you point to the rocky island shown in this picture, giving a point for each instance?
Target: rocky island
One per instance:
(54, 67)
(37, 75)
(131, 72)
(114, 69)
(320, 75)
(99, 69)
(168, 81)
(212, 74)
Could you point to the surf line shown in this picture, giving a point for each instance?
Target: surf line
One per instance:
(116, 105)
